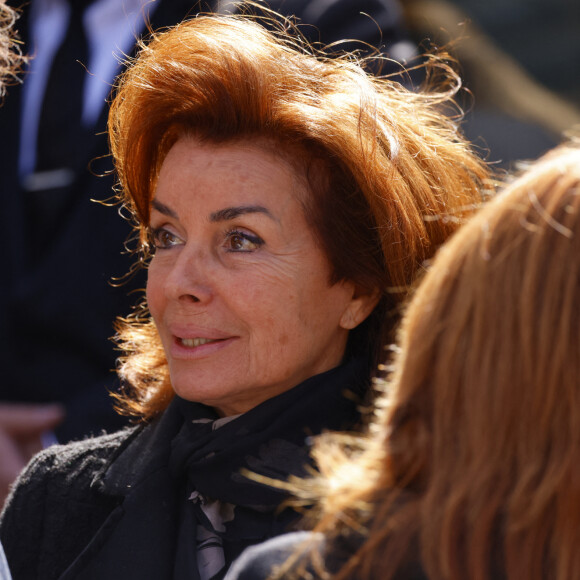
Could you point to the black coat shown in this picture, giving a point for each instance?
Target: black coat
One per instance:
(117, 506)
(106, 507)
(68, 516)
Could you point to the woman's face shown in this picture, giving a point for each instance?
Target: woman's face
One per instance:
(238, 286)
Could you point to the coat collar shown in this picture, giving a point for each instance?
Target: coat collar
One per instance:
(144, 452)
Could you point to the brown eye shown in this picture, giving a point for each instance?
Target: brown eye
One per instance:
(163, 239)
(238, 241)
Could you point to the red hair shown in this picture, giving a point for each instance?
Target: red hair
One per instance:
(389, 175)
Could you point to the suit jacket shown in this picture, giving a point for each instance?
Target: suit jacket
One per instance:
(57, 305)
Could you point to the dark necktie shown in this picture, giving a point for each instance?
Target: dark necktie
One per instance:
(61, 148)
(60, 128)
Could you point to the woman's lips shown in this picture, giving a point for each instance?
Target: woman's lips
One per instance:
(193, 342)
(187, 348)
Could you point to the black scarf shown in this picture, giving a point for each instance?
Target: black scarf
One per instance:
(270, 440)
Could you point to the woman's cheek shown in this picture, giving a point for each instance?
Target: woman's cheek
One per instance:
(154, 290)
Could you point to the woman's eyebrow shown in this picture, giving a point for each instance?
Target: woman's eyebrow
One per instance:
(230, 213)
(162, 208)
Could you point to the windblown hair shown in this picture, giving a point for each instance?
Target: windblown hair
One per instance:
(389, 176)
(472, 464)
(10, 56)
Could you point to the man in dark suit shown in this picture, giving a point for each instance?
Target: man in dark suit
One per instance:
(61, 250)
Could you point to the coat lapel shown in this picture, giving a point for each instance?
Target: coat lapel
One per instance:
(137, 540)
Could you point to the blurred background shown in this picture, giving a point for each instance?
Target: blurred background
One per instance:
(520, 59)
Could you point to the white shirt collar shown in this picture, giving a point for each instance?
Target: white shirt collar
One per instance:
(111, 27)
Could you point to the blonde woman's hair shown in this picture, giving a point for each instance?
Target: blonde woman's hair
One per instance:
(390, 177)
(471, 464)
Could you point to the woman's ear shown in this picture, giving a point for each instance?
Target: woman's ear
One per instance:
(362, 303)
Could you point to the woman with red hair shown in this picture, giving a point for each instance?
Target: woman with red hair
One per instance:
(284, 203)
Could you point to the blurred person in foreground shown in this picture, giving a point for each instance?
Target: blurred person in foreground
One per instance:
(471, 466)
(284, 204)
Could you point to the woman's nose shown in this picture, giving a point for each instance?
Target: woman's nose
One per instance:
(187, 279)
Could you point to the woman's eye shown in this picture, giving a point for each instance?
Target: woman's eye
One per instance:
(163, 239)
(237, 241)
